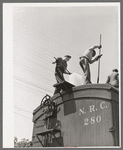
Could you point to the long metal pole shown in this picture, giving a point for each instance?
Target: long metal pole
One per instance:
(99, 61)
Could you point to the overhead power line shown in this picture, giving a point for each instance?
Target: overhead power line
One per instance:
(51, 39)
(22, 115)
(32, 84)
(31, 89)
(23, 109)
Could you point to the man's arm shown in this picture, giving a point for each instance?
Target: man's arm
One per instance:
(95, 59)
(97, 46)
(67, 72)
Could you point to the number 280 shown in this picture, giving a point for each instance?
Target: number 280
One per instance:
(92, 120)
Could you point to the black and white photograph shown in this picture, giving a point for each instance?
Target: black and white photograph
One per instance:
(61, 75)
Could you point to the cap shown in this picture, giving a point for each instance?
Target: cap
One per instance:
(115, 70)
(67, 56)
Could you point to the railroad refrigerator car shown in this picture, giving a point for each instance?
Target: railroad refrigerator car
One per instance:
(87, 115)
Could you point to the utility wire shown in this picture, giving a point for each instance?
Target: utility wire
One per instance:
(38, 92)
(42, 66)
(39, 32)
(22, 109)
(22, 115)
(45, 77)
(41, 46)
(31, 84)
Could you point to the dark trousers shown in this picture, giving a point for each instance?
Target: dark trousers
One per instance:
(59, 78)
(86, 69)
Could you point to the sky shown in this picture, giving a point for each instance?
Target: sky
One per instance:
(42, 32)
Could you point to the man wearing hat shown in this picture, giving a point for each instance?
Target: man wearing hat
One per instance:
(85, 60)
(61, 67)
(113, 78)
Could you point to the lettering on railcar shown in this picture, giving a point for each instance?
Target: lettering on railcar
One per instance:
(90, 109)
(81, 111)
(92, 120)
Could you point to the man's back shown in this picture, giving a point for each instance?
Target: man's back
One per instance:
(88, 54)
(113, 79)
(61, 63)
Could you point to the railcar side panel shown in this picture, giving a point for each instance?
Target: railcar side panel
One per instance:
(93, 118)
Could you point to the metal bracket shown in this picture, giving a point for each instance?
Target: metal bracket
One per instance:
(40, 140)
(56, 138)
(52, 132)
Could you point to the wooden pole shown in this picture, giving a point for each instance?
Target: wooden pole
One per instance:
(99, 61)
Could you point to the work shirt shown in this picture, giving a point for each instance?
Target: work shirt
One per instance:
(113, 79)
(62, 64)
(88, 53)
